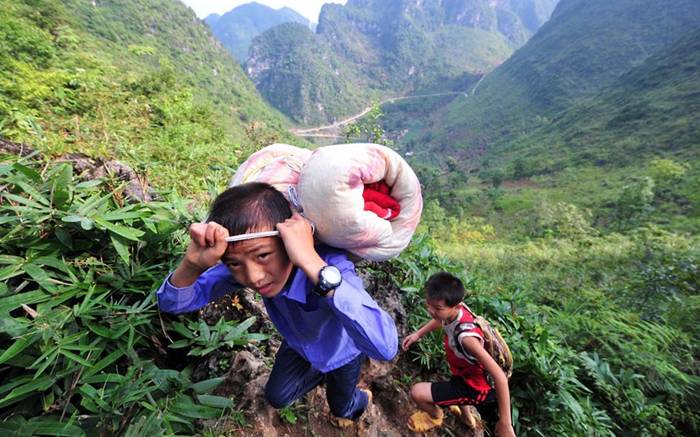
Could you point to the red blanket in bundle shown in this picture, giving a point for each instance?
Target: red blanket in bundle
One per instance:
(378, 200)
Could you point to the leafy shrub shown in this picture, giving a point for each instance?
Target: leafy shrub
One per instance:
(81, 340)
(562, 220)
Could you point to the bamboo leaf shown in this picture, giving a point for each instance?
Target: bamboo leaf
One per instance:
(121, 248)
(236, 332)
(28, 389)
(206, 386)
(121, 230)
(53, 427)
(18, 346)
(215, 401)
(27, 202)
(9, 303)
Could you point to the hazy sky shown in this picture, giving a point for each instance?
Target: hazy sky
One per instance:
(308, 8)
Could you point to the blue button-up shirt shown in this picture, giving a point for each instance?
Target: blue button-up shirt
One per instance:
(328, 331)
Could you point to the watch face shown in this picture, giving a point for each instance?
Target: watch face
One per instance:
(331, 276)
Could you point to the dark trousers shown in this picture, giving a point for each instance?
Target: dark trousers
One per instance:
(292, 377)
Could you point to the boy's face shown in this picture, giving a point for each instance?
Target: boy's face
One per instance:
(261, 264)
(439, 310)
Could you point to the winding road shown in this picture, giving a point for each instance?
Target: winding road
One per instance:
(319, 131)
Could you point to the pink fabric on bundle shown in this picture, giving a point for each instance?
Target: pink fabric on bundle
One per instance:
(278, 165)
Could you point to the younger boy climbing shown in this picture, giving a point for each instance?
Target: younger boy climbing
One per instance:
(470, 364)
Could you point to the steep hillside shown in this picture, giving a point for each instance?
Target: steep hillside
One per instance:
(585, 46)
(141, 82)
(393, 47)
(301, 76)
(651, 110)
(237, 28)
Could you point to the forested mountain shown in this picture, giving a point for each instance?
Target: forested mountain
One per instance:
(140, 81)
(381, 48)
(237, 28)
(652, 109)
(586, 46)
(598, 104)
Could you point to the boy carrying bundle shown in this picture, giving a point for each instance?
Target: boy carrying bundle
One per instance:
(312, 294)
(469, 361)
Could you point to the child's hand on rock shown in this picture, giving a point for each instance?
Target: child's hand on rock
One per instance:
(409, 340)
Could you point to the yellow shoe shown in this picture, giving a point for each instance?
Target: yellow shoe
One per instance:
(342, 422)
(468, 419)
(421, 421)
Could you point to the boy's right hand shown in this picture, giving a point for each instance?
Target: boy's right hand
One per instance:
(409, 340)
(207, 247)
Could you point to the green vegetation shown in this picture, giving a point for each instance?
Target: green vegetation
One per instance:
(603, 330)
(82, 345)
(140, 83)
(237, 28)
(363, 51)
(301, 76)
(586, 46)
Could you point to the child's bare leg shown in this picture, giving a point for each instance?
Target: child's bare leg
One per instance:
(431, 415)
(421, 395)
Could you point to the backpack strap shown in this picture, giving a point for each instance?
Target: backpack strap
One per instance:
(460, 329)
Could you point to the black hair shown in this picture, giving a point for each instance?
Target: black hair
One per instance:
(446, 287)
(255, 206)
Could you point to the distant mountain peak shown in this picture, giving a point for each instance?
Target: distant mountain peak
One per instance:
(237, 27)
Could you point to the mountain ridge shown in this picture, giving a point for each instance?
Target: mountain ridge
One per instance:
(237, 28)
(389, 48)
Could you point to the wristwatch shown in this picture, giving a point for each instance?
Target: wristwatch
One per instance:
(329, 278)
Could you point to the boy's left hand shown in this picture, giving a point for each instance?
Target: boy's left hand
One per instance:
(298, 240)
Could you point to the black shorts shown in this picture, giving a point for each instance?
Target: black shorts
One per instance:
(457, 392)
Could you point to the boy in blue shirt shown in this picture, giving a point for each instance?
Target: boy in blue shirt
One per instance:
(312, 295)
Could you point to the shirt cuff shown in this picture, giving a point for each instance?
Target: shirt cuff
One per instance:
(175, 298)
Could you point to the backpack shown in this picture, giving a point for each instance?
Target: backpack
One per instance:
(493, 343)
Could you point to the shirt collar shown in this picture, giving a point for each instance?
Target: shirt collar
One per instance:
(296, 288)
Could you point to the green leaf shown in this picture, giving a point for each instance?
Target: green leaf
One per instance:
(25, 201)
(121, 230)
(61, 181)
(151, 425)
(88, 184)
(28, 172)
(52, 426)
(215, 401)
(18, 346)
(121, 248)
(9, 303)
(64, 237)
(40, 384)
(236, 332)
(85, 223)
(207, 385)
(184, 406)
(40, 276)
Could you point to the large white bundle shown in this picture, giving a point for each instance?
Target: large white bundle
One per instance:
(330, 188)
(330, 182)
